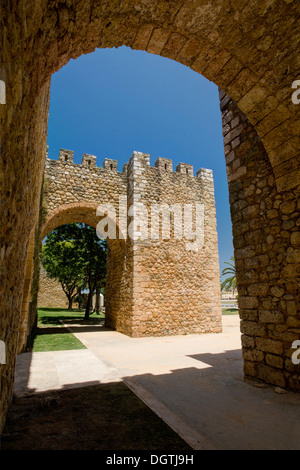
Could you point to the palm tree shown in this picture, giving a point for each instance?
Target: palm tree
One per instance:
(229, 282)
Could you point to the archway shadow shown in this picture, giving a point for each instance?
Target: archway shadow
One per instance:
(223, 409)
(213, 405)
(92, 416)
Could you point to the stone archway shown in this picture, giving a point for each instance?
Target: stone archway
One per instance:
(244, 47)
(84, 212)
(117, 295)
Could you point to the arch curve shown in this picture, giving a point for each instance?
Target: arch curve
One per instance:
(212, 38)
(84, 212)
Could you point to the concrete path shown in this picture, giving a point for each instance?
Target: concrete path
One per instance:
(193, 382)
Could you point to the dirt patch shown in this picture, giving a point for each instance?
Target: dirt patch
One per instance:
(98, 417)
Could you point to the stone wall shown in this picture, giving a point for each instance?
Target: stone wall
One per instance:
(154, 286)
(267, 253)
(175, 290)
(19, 212)
(50, 293)
(69, 183)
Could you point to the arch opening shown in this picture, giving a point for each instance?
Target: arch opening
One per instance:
(73, 274)
(221, 43)
(240, 144)
(86, 213)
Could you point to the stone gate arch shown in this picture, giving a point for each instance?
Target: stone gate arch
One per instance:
(117, 294)
(246, 48)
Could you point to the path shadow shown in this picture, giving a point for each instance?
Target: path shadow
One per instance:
(214, 401)
(230, 412)
(78, 328)
(92, 417)
(58, 321)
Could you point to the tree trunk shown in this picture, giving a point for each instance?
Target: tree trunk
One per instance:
(88, 306)
(70, 303)
(97, 303)
(79, 297)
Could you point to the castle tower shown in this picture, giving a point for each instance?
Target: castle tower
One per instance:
(163, 276)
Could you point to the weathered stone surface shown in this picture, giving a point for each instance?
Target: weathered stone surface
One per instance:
(252, 328)
(267, 316)
(269, 345)
(277, 291)
(248, 302)
(51, 293)
(248, 341)
(271, 375)
(250, 369)
(253, 355)
(274, 361)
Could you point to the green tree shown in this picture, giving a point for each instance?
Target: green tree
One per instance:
(94, 255)
(230, 281)
(75, 256)
(61, 260)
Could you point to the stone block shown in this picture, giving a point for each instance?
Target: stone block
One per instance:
(185, 169)
(253, 355)
(250, 369)
(247, 341)
(271, 375)
(274, 361)
(110, 164)
(88, 160)
(267, 316)
(164, 164)
(254, 329)
(66, 156)
(248, 302)
(270, 345)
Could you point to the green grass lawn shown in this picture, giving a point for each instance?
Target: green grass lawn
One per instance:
(230, 311)
(53, 341)
(51, 333)
(56, 316)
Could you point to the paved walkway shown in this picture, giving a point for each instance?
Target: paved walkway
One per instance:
(193, 382)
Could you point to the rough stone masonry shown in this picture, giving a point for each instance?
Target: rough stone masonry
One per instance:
(158, 285)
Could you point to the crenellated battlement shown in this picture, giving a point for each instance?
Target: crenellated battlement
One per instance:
(66, 156)
(71, 183)
(162, 164)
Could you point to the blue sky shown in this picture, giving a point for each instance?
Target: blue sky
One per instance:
(114, 101)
